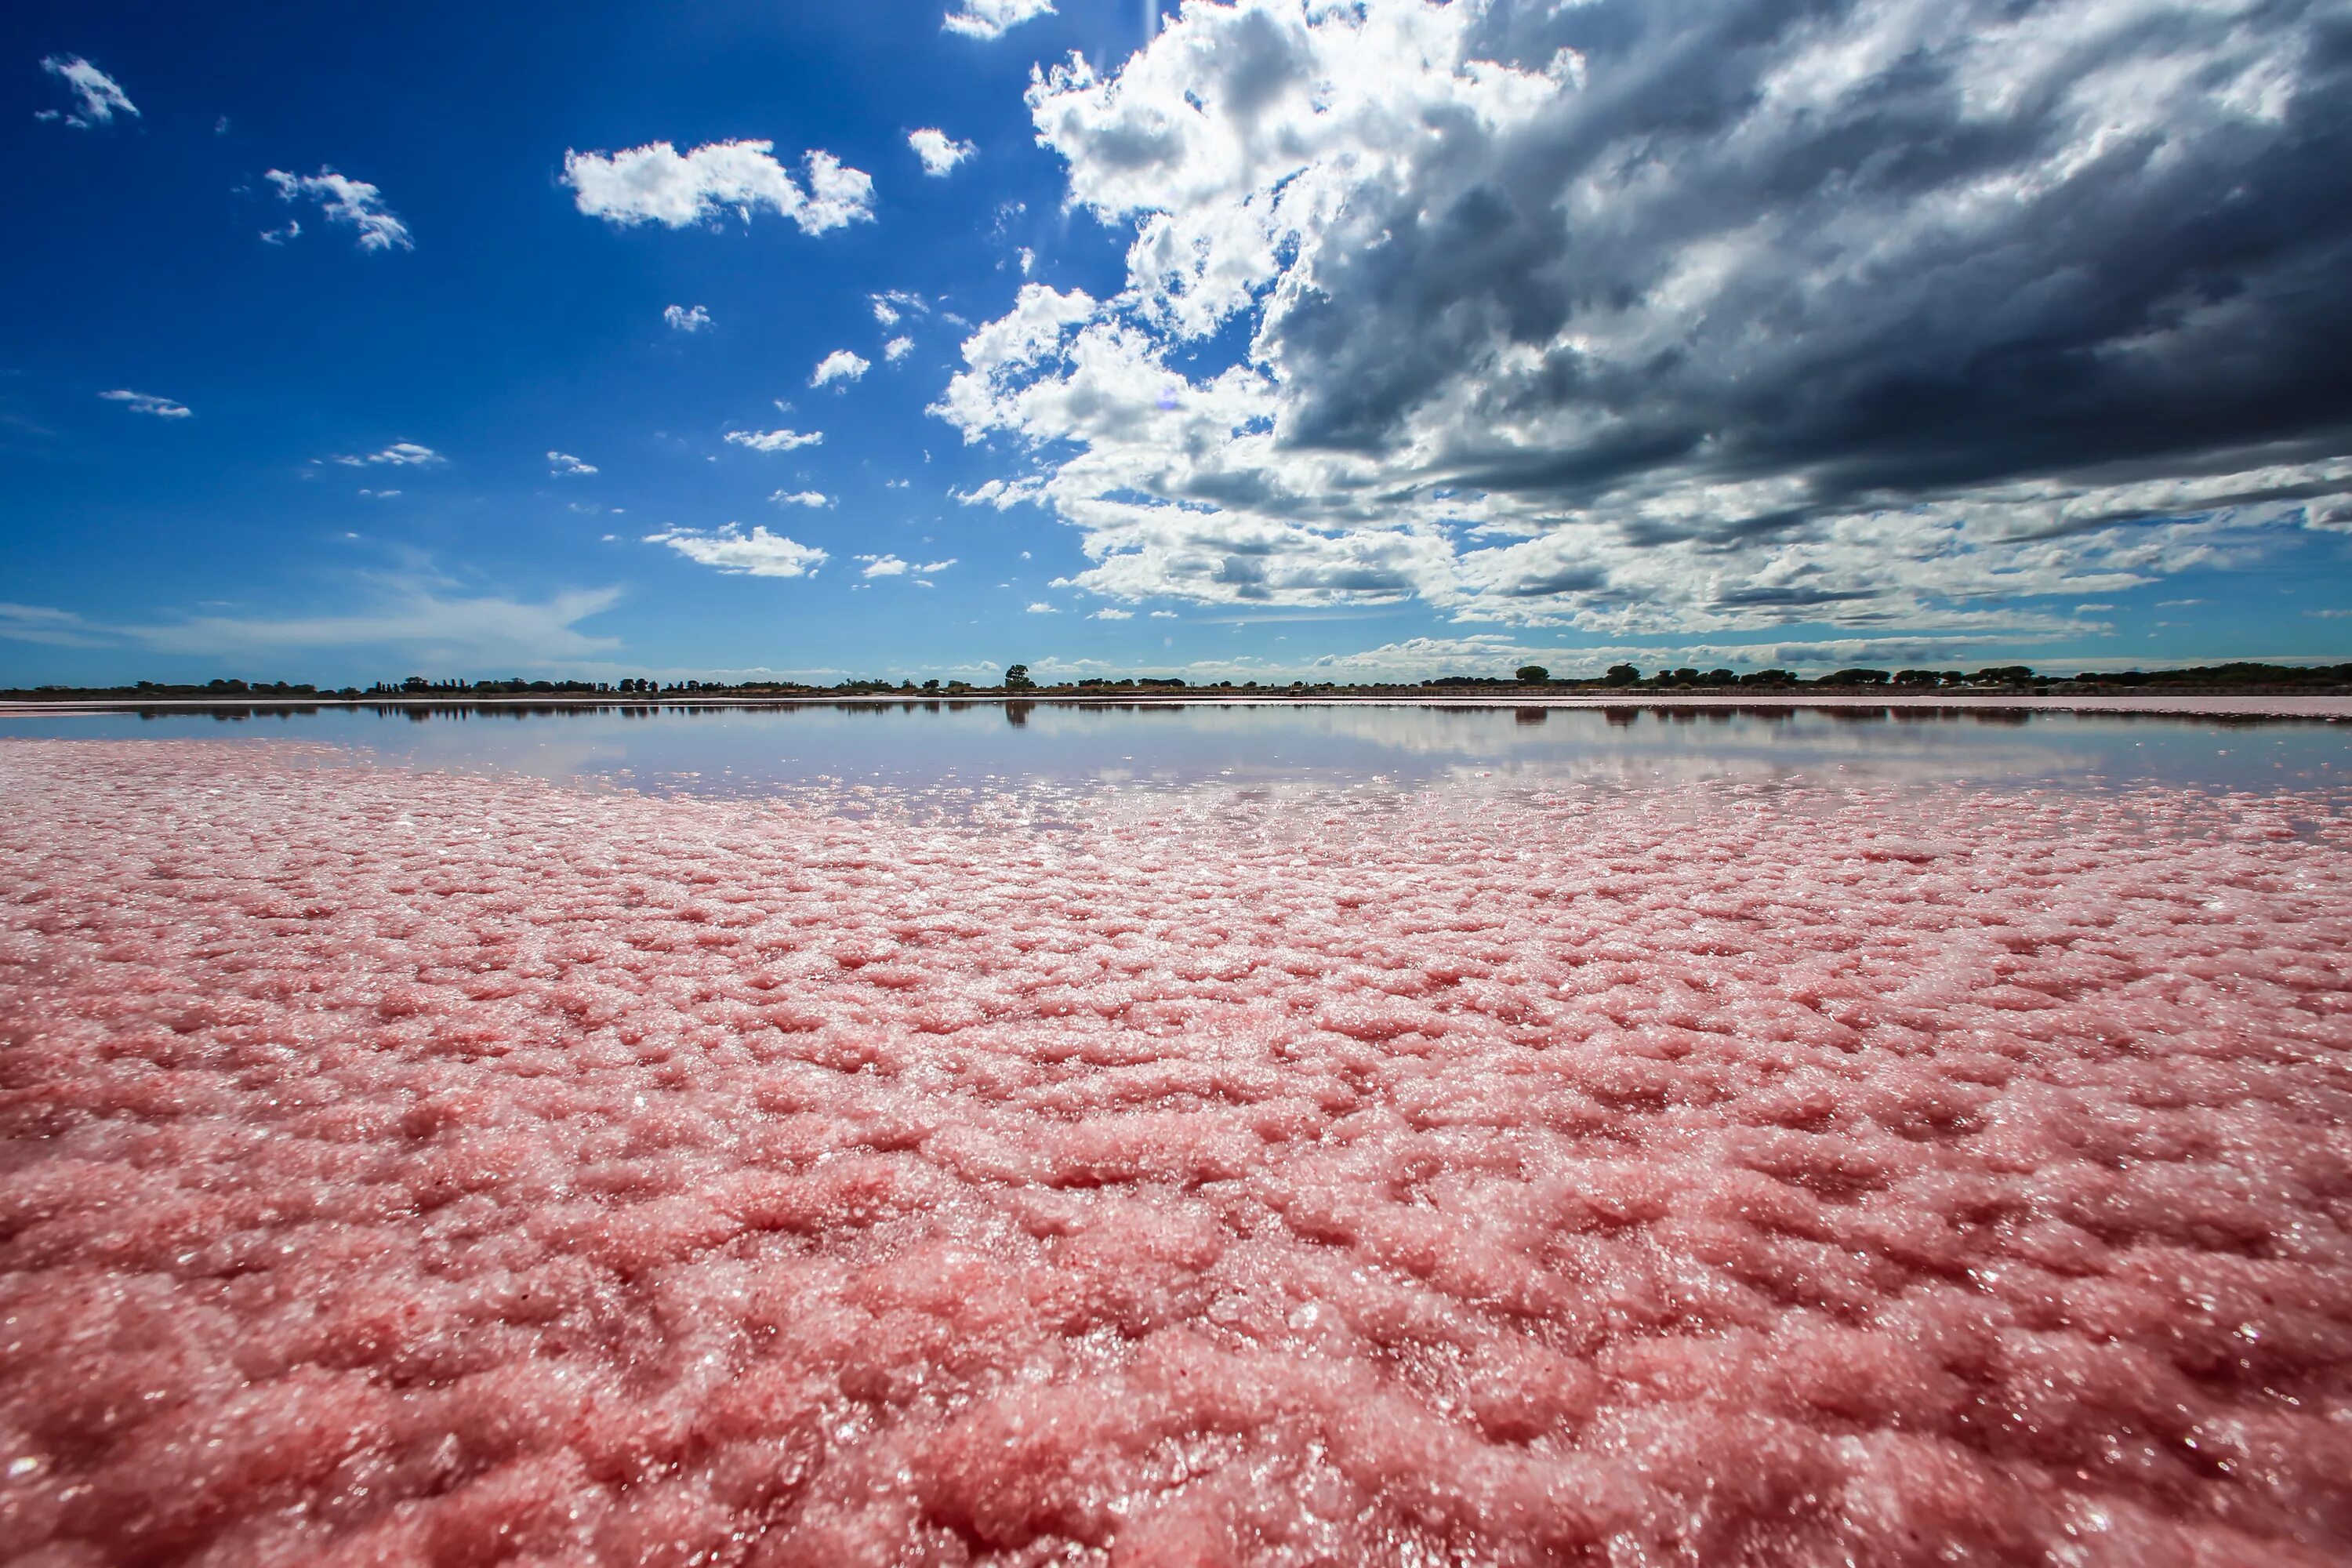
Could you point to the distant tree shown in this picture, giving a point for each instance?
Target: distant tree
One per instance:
(932, 684)
(1534, 674)
(1687, 675)
(1622, 675)
(1017, 679)
(1855, 677)
(1719, 678)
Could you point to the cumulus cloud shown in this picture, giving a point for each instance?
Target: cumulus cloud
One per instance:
(1111, 612)
(774, 440)
(990, 18)
(346, 200)
(884, 566)
(686, 319)
(657, 184)
(802, 498)
(898, 349)
(1686, 316)
(97, 96)
(399, 454)
(564, 465)
(839, 366)
(939, 150)
(1040, 608)
(730, 549)
(147, 402)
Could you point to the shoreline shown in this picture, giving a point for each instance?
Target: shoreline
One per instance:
(2328, 709)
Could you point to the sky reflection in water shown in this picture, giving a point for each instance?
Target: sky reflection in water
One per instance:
(923, 745)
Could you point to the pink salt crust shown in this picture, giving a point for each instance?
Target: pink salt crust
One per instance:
(405, 1167)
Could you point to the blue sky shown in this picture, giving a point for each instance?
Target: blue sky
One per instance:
(1416, 368)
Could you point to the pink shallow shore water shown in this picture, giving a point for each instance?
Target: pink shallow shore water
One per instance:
(404, 1167)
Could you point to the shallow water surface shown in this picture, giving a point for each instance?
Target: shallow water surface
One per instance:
(721, 750)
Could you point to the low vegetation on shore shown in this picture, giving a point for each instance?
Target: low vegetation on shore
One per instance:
(1017, 681)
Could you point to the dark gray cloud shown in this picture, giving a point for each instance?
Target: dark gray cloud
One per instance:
(1702, 312)
(2178, 294)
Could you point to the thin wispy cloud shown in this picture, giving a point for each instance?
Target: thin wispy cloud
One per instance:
(147, 402)
(415, 612)
(399, 454)
(346, 200)
(890, 307)
(98, 97)
(563, 465)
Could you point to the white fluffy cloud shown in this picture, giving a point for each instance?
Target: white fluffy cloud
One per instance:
(1040, 608)
(884, 566)
(730, 549)
(399, 454)
(801, 497)
(564, 465)
(147, 402)
(344, 200)
(775, 440)
(97, 96)
(657, 184)
(686, 319)
(1112, 613)
(898, 349)
(1669, 317)
(939, 150)
(990, 18)
(841, 365)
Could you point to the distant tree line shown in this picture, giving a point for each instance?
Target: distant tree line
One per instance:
(1018, 679)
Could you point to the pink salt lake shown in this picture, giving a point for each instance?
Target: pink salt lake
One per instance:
(405, 1161)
